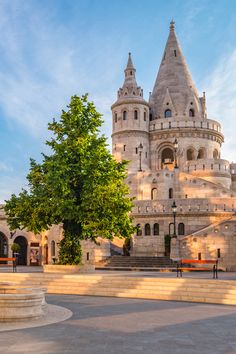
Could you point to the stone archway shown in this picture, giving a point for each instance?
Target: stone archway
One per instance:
(3, 245)
(22, 242)
(167, 157)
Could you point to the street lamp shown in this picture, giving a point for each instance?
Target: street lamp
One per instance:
(176, 144)
(174, 210)
(140, 149)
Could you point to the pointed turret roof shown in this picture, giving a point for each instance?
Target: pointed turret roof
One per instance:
(174, 80)
(130, 64)
(130, 90)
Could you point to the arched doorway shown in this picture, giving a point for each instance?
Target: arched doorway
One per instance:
(3, 245)
(22, 242)
(46, 253)
(167, 157)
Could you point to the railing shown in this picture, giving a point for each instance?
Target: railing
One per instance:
(163, 124)
(193, 205)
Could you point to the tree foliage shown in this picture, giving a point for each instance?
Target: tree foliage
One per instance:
(79, 184)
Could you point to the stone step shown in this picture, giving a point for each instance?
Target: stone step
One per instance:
(134, 263)
(193, 290)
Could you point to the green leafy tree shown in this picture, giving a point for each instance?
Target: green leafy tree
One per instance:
(79, 185)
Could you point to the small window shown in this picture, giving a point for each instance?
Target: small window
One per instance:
(136, 150)
(124, 115)
(218, 252)
(201, 153)
(191, 112)
(53, 248)
(199, 256)
(175, 53)
(124, 147)
(115, 117)
(115, 147)
(147, 230)
(169, 125)
(156, 229)
(154, 194)
(168, 113)
(181, 229)
(170, 193)
(215, 154)
(139, 230)
(145, 116)
(146, 154)
(161, 126)
(131, 73)
(136, 114)
(150, 116)
(190, 154)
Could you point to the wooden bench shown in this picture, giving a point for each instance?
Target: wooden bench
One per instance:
(183, 265)
(6, 264)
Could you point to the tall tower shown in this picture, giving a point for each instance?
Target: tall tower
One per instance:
(177, 111)
(130, 114)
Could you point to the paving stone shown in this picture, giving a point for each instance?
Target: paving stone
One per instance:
(102, 325)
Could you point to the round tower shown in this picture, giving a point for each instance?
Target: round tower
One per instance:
(130, 128)
(177, 112)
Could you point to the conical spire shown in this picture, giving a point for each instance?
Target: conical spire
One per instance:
(130, 63)
(130, 89)
(174, 81)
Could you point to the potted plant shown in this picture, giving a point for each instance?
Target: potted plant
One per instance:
(15, 249)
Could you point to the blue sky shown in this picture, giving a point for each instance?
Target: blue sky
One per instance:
(50, 50)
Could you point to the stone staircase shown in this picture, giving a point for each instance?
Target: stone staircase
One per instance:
(137, 263)
(130, 286)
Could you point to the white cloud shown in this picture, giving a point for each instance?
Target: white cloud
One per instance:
(220, 88)
(44, 63)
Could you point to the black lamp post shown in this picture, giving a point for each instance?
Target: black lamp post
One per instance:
(140, 150)
(176, 144)
(174, 210)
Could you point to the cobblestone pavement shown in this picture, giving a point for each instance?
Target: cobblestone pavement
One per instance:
(102, 325)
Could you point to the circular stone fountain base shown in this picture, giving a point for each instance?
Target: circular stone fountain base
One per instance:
(51, 314)
(19, 303)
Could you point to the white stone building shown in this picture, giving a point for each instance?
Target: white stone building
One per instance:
(174, 150)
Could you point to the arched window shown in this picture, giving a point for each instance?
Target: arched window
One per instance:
(139, 230)
(170, 193)
(135, 114)
(201, 153)
(156, 229)
(167, 155)
(168, 113)
(124, 115)
(53, 248)
(191, 112)
(215, 154)
(181, 229)
(154, 194)
(3, 245)
(190, 154)
(147, 230)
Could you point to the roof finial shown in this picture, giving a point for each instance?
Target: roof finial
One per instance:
(172, 25)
